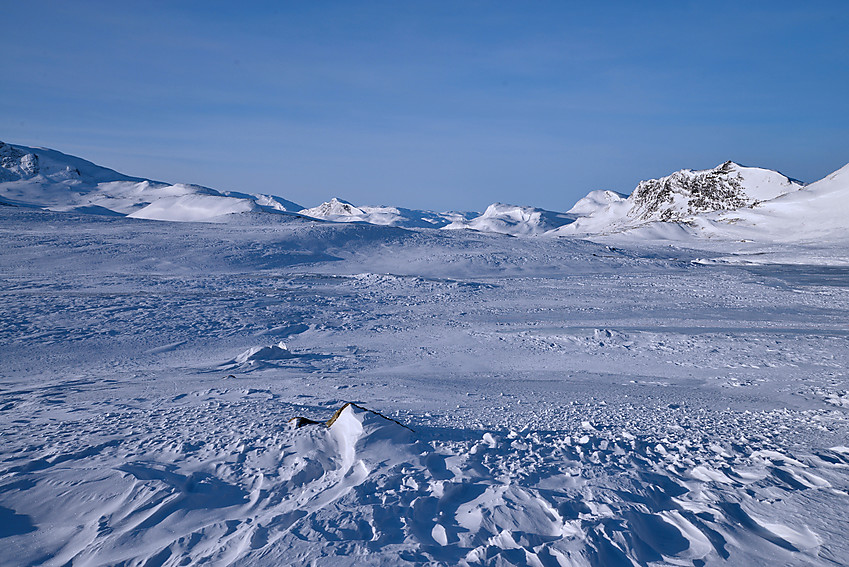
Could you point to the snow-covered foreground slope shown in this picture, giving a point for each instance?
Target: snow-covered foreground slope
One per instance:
(43, 178)
(546, 401)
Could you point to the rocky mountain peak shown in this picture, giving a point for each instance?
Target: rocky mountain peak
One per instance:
(687, 192)
(16, 163)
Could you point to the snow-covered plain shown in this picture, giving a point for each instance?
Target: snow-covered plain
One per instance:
(539, 401)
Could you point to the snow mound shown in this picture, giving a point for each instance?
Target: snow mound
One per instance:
(47, 179)
(595, 201)
(514, 220)
(363, 488)
(263, 353)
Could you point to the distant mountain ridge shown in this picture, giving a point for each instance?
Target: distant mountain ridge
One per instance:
(721, 202)
(337, 210)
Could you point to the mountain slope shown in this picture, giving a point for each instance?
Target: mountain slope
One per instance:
(48, 179)
(818, 211)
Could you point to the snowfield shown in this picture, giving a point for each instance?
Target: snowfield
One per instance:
(268, 389)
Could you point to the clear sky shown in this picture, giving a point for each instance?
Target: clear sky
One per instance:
(437, 105)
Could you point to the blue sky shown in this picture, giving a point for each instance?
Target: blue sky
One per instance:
(438, 105)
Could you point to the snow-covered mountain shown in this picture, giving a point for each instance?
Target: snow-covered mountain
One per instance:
(728, 201)
(514, 220)
(818, 211)
(680, 197)
(48, 179)
(337, 210)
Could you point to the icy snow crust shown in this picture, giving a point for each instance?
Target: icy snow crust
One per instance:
(552, 401)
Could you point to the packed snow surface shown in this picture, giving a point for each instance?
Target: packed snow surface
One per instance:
(273, 390)
(539, 401)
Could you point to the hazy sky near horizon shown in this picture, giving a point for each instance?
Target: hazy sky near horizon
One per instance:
(437, 105)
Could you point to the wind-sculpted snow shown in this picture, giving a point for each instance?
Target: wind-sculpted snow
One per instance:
(516, 401)
(220, 476)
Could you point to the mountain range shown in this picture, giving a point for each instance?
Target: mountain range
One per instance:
(728, 201)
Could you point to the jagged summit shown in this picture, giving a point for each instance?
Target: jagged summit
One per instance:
(16, 163)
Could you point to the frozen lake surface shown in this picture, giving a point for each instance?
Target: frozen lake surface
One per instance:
(553, 401)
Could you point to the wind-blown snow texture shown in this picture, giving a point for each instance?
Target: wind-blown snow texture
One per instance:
(541, 401)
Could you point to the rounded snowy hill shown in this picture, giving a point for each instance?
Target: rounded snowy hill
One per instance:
(48, 179)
